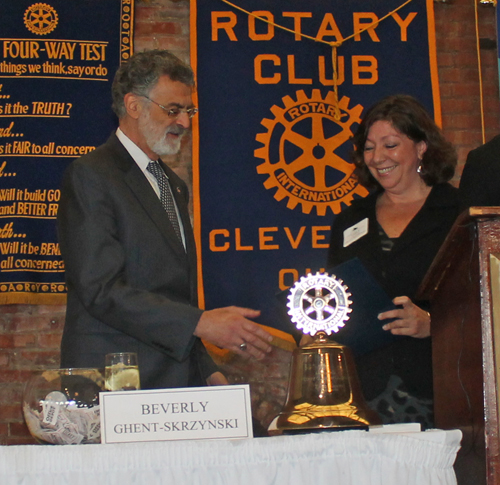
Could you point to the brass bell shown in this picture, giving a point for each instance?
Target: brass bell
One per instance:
(324, 391)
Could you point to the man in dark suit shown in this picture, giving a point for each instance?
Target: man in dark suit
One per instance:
(129, 249)
(480, 181)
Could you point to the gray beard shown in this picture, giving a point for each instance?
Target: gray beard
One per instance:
(156, 137)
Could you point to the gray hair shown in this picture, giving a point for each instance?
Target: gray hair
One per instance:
(141, 73)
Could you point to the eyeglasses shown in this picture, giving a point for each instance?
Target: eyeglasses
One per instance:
(174, 112)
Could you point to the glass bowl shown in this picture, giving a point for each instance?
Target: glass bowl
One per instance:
(61, 406)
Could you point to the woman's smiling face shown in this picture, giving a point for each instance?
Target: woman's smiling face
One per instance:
(392, 157)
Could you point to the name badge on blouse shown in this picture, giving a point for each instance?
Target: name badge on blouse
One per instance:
(355, 232)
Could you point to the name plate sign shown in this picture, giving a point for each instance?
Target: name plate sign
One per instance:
(219, 412)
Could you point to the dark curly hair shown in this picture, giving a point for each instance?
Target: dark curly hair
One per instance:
(409, 117)
(141, 73)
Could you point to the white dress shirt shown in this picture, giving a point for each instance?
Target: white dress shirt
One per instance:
(142, 161)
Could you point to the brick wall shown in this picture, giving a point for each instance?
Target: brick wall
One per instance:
(30, 335)
(459, 77)
(29, 340)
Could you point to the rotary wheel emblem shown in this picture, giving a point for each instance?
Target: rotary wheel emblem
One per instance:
(40, 19)
(301, 153)
(319, 302)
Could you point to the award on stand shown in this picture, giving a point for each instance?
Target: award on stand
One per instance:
(323, 391)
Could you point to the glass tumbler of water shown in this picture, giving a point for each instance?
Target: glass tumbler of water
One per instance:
(122, 372)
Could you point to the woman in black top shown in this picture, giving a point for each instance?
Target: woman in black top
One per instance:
(396, 232)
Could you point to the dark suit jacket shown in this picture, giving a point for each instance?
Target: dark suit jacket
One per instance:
(480, 181)
(131, 285)
(400, 273)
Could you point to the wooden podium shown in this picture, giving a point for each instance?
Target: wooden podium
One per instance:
(463, 286)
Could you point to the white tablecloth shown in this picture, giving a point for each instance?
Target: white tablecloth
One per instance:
(339, 458)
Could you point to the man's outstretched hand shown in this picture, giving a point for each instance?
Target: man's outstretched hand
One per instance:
(230, 327)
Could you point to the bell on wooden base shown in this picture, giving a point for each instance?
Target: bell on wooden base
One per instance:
(324, 391)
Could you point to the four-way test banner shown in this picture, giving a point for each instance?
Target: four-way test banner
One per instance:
(57, 62)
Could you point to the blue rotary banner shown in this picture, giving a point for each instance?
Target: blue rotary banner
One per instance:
(57, 62)
(271, 144)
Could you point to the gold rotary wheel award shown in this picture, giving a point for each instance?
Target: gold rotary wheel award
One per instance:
(324, 391)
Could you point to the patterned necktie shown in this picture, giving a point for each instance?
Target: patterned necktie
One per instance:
(166, 197)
